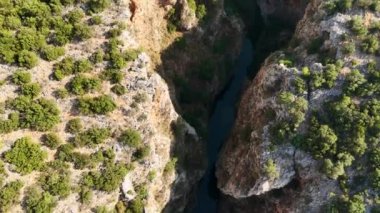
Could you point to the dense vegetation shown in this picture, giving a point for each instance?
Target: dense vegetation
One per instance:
(342, 131)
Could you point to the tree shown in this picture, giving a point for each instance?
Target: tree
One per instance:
(321, 140)
(332, 170)
(26, 156)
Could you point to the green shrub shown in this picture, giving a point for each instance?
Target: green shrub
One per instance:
(375, 179)
(353, 82)
(65, 152)
(85, 195)
(300, 85)
(97, 56)
(27, 59)
(357, 26)
(332, 170)
(136, 206)
(82, 66)
(81, 85)
(64, 68)
(74, 126)
(96, 20)
(51, 140)
(370, 44)
(11, 124)
(97, 6)
(39, 201)
(26, 156)
(92, 137)
(108, 178)
(141, 153)
(170, 166)
(57, 184)
(82, 32)
(10, 195)
(61, 93)
(40, 114)
(322, 140)
(51, 53)
(130, 138)
(98, 105)
(31, 90)
(75, 16)
(21, 77)
(114, 76)
(119, 89)
(201, 11)
(270, 169)
(349, 48)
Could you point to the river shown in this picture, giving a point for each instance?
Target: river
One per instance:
(220, 126)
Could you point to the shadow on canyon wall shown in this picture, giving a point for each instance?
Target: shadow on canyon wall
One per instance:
(197, 68)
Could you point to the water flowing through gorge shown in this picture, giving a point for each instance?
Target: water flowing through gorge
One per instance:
(219, 127)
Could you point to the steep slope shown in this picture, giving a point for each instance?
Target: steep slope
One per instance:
(305, 138)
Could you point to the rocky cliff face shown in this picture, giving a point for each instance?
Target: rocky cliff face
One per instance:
(272, 160)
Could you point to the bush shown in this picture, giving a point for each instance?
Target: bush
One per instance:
(354, 80)
(10, 195)
(349, 48)
(270, 169)
(201, 11)
(92, 137)
(108, 178)
(96, 20)
(27, 59)
(57, 184)
(81, 85)
(332, 170)
(74, 126)
(61, 93)
(82, 32)
(11, 124)
(322, 140)
(98, 105)
(65, 152)
(141, 153)
(170, 166)
(21, 77)
(40, 114)
(64, 68)
(31, 90)
(97, 56)
(51, 53)
(82, 66)
(357, 26)
(39, 201)
(370, 44)
(51, 140)
(26, 156)
(375, 179)
(119, 89)
(114, 76)
(75, 16)
(130, 138)
(85, 195)
(97, 6)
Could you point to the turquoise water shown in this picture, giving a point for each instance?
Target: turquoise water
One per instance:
(219, 128)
